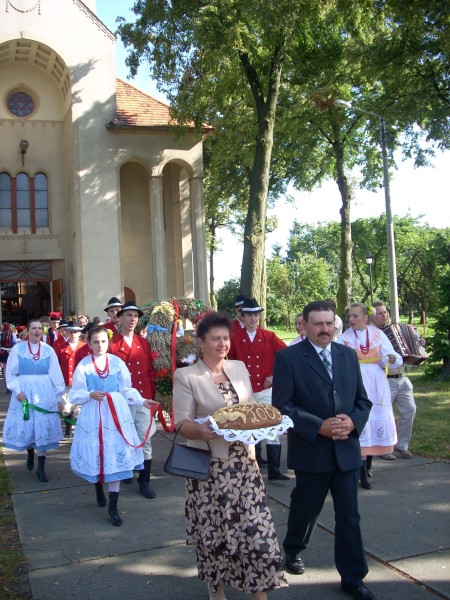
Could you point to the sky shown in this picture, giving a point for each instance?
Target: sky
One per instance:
(421, 192)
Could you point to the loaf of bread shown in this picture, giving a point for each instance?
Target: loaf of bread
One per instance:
(247, 416)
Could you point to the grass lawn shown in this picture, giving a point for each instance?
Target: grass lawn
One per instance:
(432, 424)
(13, 580)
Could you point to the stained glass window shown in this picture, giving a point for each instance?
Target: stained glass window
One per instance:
(20, 104)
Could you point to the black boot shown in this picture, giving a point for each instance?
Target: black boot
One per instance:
(68, 428)
(101, 500)
(369, 465)
(143, 480)
(112, 509)
(364, 481)
(41, 469)
(273, 463)
(30, 459)
(258, 452)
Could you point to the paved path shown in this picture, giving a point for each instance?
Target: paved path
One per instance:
(74, 552)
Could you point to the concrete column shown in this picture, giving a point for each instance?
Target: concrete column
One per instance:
(157, 237)
(198, 239)
(186, 242)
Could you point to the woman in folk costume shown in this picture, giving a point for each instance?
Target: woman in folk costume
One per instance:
(34, 376)
(105, 442)
(8, 339)
(374, 351)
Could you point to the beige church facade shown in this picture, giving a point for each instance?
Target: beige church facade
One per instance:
(98, 197)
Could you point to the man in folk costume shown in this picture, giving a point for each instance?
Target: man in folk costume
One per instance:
(402, 393)
(53, 333)
(256, 348)
(85, 349)
(135, 351)
(66, 353)
(61, 340)
(238, 322)
(112, 309)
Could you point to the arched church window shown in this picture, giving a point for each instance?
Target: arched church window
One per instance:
(24, 202)
(41, 199)
(5, 200)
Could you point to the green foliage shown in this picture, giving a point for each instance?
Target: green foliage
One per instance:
(269, 91)
(440, 342)
(421, 264)
(291, 284)
(226, 296)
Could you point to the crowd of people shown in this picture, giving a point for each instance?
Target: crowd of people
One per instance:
(337, 387)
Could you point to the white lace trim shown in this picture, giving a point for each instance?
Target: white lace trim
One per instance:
(251, 436)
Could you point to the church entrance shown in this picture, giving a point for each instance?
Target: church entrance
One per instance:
(26, 290)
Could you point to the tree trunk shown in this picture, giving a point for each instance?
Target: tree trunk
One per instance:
(212, 247)
(345, 275)
(253, 280)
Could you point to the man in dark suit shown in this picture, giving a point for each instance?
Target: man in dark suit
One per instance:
(318, 384)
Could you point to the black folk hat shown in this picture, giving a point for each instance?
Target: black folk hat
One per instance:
(240, 299)
(88, 326)
(130, 306)
(73, 326)
(62, 324)
(113, 302)
(251, 306)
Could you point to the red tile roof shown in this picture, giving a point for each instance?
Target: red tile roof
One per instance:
(135, 110)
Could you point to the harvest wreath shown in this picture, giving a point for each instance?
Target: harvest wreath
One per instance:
(170, 347)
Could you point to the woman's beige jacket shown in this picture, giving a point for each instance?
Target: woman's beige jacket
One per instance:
(195, 395)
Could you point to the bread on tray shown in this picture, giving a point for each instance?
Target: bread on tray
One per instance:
(253, 415)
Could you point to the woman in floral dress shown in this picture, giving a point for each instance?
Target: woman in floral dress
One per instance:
(228, 517)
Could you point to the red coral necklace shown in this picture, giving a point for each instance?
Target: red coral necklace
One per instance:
(103, 373)
(35, 355)
(364, 349)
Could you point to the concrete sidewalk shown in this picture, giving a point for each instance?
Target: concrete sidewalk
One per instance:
(74, 552)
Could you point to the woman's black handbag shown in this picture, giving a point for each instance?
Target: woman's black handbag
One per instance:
(186, 461)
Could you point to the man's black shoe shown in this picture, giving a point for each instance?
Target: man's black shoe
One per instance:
(295, 565)
(277, 475)
(360, 593)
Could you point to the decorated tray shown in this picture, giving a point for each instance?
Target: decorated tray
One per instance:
(251, 436)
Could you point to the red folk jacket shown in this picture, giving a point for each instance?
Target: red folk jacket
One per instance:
(59, 343)
(66, 358)
(56, 335)
(112, 326)
(237, 327)
(139, 362)
(258, 356)
(85, 350)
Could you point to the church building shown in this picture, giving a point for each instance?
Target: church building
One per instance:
(98, 196)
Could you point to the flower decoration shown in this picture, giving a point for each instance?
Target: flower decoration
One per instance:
(370, 310)
(161, 321)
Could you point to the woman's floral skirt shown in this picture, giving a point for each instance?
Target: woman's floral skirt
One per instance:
(229, 521)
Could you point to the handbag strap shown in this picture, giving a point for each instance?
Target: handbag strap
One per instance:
(178, 431)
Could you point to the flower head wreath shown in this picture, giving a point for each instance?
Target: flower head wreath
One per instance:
(370, 310)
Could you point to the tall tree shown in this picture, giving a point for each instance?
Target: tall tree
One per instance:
(223, 61)
(269, 72)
